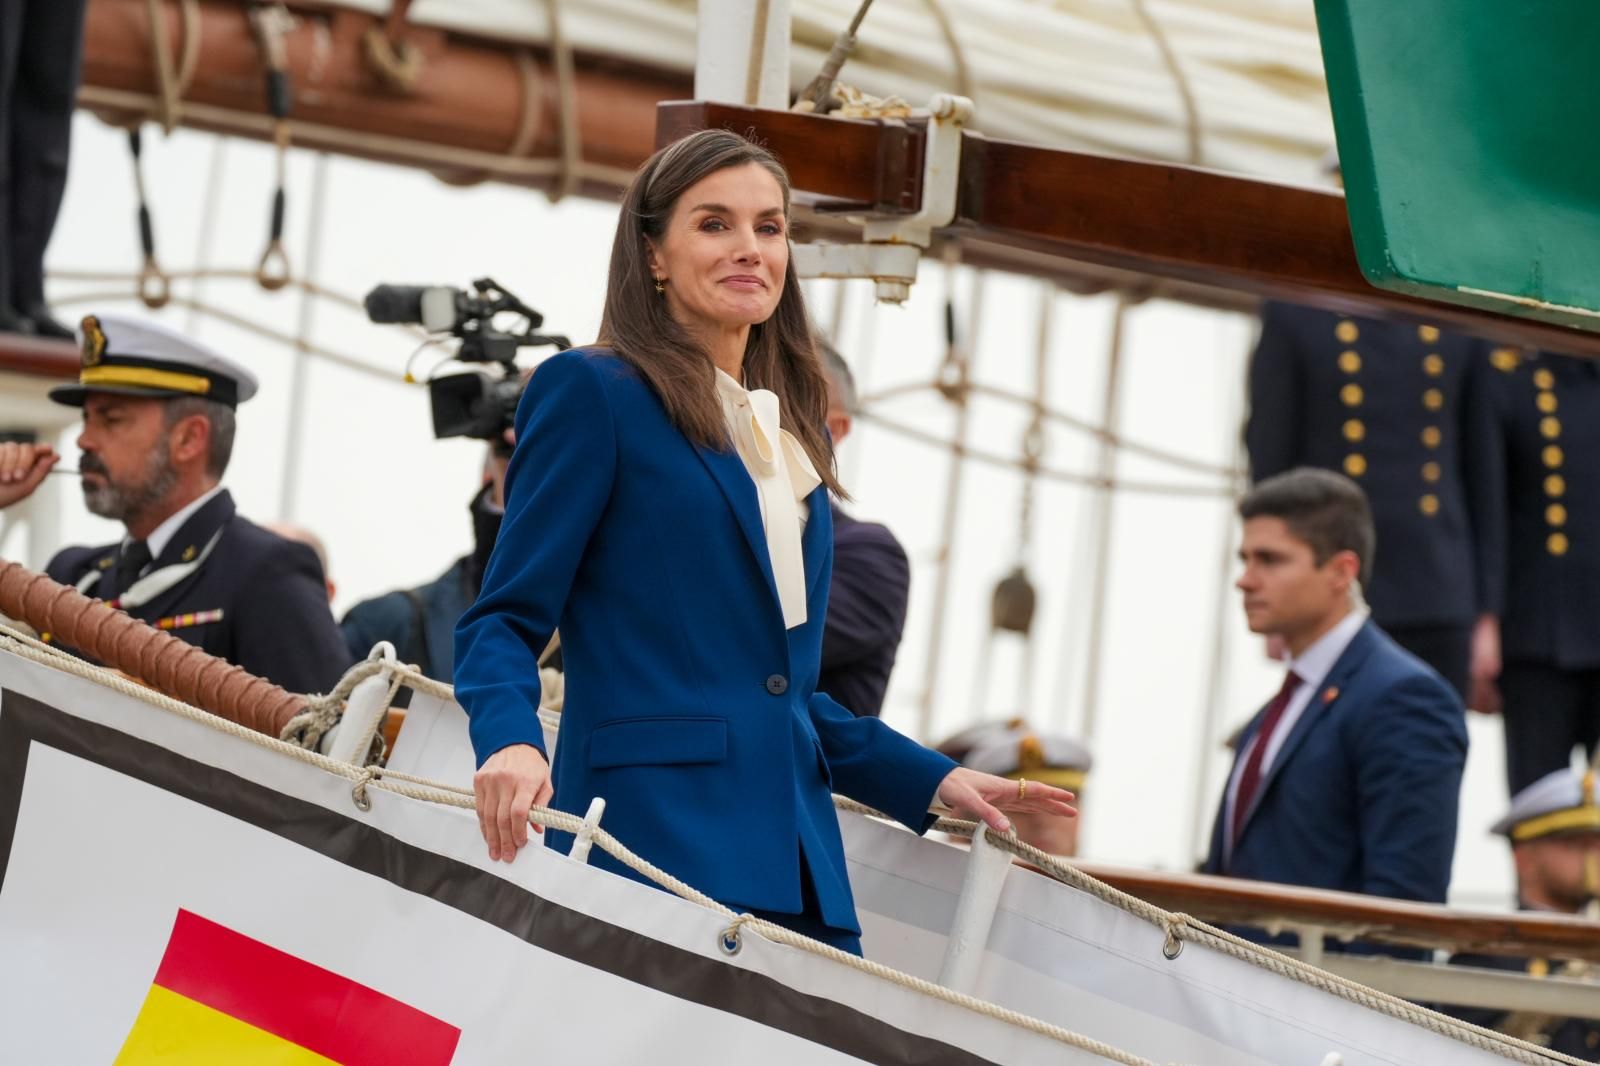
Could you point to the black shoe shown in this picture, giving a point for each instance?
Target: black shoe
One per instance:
(11, 322)
(45, 323)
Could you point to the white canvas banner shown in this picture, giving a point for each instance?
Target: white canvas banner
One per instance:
(146, 859)
(1065, 957)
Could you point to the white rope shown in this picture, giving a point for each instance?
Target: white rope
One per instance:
(1181, 928)
(365, 779)
(1178, 927)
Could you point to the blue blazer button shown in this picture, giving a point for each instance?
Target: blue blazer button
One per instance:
(777, 684)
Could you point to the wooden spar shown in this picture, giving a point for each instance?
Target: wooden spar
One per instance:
(1089, 222)
(1227, 900)
(468, 96)
(1022, 203)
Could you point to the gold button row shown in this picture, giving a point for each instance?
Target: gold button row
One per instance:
(1555, 486)
(1433, 365)
(1429, 504)
(1433, 399)
(1431, 436)
(1351, 395)
(1355, 465)
(1350, 361)
(1346, 331)
(1428, 334)
(1506, 359)
(1354, 430)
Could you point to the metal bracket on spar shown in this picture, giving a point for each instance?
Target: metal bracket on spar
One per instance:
(892, 246)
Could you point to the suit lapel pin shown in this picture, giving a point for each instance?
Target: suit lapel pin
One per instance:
(1330, 694)
(188, 553)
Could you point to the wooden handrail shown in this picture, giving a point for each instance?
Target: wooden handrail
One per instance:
(1230, 901)
(38, 357)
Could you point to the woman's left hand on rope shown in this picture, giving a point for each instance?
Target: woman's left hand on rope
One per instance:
(984, 797)
(511, 781)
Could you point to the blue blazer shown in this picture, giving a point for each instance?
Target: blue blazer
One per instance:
(1362, 796)
(689, 707)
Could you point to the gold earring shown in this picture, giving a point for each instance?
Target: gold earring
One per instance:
(661, 287)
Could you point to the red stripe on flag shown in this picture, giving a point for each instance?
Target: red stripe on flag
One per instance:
(297, 1000)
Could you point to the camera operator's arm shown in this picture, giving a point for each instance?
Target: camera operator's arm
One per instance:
(23, 467)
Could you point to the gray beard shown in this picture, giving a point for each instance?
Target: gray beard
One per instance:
(122, 502)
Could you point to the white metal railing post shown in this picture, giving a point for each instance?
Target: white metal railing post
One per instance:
(987, 867)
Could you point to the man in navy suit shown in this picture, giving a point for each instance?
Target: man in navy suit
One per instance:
(1349, 778)
(871, 581)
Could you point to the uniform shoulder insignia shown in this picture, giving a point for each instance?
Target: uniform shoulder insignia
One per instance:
(105, 564)
(1505, 360)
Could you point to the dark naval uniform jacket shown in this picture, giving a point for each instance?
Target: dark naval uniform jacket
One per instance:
(256, 599)
(866, 614)
(1578, 1037)
(1548, 435)
(1405, 411)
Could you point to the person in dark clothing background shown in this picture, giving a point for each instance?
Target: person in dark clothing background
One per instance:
(41, 59)
(871, 581)
(1547, 541)
(420, 622)
(1406, 411)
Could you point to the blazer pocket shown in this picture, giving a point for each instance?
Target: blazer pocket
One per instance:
(658, 742)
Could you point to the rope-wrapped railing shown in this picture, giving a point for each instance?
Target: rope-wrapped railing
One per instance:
(158, 659)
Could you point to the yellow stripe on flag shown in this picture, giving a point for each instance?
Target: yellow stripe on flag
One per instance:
(173, 1030)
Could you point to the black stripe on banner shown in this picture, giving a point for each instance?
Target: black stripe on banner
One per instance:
(571, 934)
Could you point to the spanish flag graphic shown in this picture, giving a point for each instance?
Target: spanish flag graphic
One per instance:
(221, 997)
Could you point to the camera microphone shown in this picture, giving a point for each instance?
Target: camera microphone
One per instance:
(433, 307)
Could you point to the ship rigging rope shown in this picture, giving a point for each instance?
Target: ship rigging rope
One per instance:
(893, 426)
(1178, 927)
(1169, 56)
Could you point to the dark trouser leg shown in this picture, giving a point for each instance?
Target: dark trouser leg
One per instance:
(1547, 713)
(1448, 649)
(11, 16)
(46, 86)
(809, 921)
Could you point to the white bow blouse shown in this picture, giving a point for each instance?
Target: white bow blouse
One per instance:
(784, 477)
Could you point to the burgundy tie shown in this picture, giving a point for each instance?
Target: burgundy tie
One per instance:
(1250, 779)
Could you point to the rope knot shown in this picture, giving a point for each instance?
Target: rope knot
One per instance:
(731, 939)
(358, 794)
(1175, 924)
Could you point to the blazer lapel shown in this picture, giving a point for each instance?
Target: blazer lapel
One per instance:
(818, 535)
(1316, 711)
(727, 469)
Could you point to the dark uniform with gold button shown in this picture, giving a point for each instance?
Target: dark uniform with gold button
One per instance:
(221, 582)
(1404, 410)
(1548, 436)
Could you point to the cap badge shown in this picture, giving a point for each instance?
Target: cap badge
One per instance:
(94, 341)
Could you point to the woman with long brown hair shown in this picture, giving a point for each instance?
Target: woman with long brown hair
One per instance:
(667, 506)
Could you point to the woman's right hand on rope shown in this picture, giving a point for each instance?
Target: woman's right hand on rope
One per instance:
(22, 468)
(511, 781)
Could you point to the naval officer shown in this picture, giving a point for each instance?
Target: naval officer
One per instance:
(158, 430)
(1547, 435)
(1554, 830)
(1404, 411)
